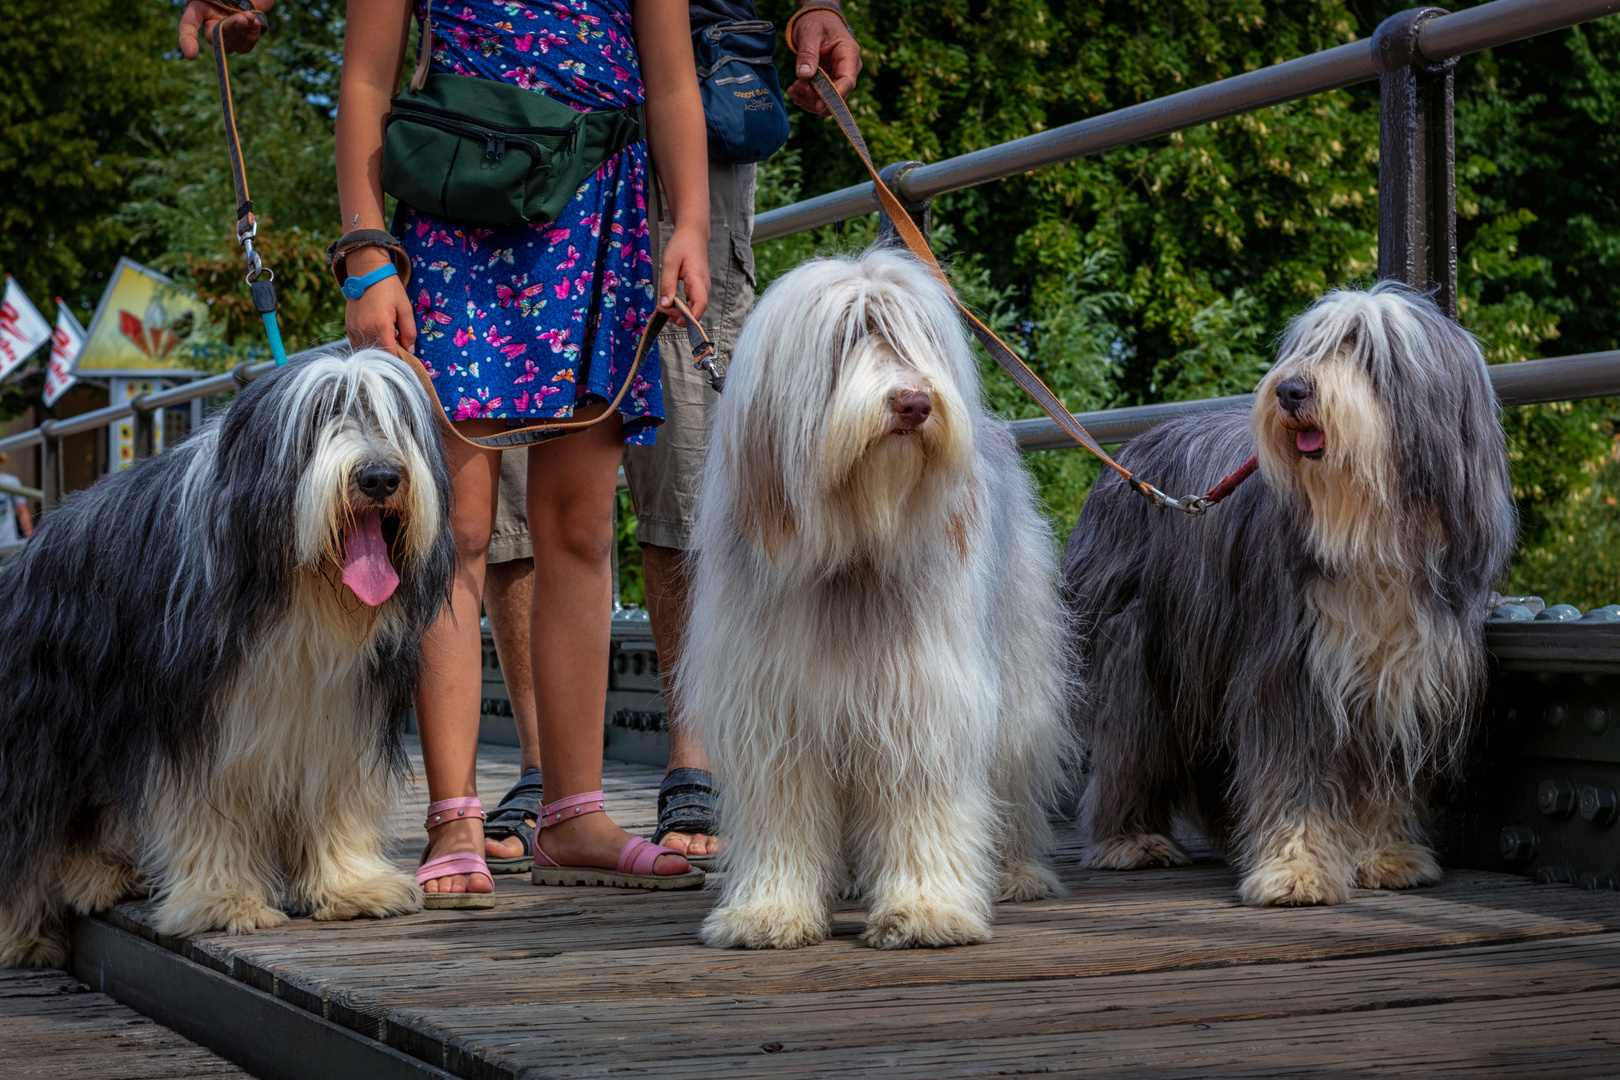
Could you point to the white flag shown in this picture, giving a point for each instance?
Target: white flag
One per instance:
(66, 344)
(22, 328)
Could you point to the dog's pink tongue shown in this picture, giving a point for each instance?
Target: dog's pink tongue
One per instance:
(366, 568)
(1309, 441)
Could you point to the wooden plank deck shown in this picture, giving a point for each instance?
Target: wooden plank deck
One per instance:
(53, 1026)
(1151, 973)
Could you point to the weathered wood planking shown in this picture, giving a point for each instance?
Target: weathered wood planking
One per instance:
(52, 1027)
(1154, 972)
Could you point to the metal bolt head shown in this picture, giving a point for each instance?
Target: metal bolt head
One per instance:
(1518, 844)
(1596, 718)
(1598, 881)
(1599, 804)
(1555, 716)
(1561, 874)
(1557, 798)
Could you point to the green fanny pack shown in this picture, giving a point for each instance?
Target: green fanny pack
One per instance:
(484, 153)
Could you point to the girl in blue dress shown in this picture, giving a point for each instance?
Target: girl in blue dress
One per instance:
(524, 322)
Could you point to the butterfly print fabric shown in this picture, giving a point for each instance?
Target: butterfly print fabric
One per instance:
(530, 321)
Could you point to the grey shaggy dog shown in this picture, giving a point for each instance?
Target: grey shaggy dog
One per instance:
(208, 660)
(1299, 666)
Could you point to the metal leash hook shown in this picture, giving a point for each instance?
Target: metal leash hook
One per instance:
(260, 278)
(1193, 505)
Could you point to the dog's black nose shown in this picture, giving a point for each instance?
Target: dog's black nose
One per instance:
(910, 408)
(1292, 394)
(378, 481)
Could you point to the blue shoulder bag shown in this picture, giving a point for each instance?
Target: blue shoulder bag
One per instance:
(742, 98)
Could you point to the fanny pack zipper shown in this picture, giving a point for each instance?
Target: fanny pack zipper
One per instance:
(495, 136)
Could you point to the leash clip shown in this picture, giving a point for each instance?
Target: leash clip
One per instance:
(1192, 505)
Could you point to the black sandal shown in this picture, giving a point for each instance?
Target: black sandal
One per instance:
(513, 818)
(687, 800)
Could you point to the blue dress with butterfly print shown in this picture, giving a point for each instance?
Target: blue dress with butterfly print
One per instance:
(528, 321)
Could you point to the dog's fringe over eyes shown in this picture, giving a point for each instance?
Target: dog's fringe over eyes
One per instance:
(186, 675)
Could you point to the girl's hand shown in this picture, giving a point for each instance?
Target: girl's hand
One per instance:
(686, 260)
(383, 316)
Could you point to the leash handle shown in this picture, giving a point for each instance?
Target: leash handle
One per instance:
(1031, 383)
(538, 433)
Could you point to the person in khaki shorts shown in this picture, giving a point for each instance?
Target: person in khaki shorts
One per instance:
(663, 485)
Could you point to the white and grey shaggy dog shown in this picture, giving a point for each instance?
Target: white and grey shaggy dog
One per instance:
(1298, 667)
(874, 648)
(208, 659)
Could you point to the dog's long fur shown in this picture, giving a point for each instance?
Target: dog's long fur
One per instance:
(874, 645)
(193, 702)
(1299, 665)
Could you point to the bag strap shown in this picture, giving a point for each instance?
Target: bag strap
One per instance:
(917, 244)
(702, 349)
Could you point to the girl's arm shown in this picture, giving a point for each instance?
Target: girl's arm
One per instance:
(373, 51)
(679, 143)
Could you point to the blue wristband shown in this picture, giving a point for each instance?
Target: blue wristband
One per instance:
(356, 287)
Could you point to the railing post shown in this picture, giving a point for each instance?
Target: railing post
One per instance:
(50, 467)
(1417, 193)
(141, 426)
(894, 176)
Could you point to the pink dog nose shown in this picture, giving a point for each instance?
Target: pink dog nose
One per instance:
(910, 408)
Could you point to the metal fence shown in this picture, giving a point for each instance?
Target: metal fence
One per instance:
(1412, 55)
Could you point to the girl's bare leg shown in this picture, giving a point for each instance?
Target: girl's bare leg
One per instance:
(571, 483)
(452, 661)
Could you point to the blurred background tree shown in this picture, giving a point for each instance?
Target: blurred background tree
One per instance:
(1157, 272)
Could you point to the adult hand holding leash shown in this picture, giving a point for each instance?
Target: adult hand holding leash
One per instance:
(819, 34)
(241, 31)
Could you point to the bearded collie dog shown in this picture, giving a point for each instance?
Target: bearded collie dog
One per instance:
(875, 646)
(1295, 669)
(209, 659)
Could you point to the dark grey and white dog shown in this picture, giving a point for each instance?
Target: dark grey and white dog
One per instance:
(1298, 666)
(207, 661)
(875, 642)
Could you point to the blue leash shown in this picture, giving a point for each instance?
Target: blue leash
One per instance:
(260, 278)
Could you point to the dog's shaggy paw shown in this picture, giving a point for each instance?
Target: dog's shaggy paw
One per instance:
(1027, 881)
(763, 926)
(232, 914)
(925, 926)
(377, 898)
(1292, 883)
(1135, 852)
(39, 947)
(1397, 866)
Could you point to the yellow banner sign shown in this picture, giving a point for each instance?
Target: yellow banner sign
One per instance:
(141, 326)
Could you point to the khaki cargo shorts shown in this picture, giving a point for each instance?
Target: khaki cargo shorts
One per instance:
(664, 478)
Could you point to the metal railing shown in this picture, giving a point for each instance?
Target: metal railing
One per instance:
(1412, 55)
(1445, 38)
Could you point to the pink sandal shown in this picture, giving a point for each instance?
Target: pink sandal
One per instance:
(457, 862)
(636, 859)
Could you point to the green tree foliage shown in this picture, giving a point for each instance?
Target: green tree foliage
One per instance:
(76, 81)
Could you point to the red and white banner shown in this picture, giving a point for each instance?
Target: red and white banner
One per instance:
(22, 328)
(66, 344)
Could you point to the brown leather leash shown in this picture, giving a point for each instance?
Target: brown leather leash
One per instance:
(703, 352)
(1031, 383)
